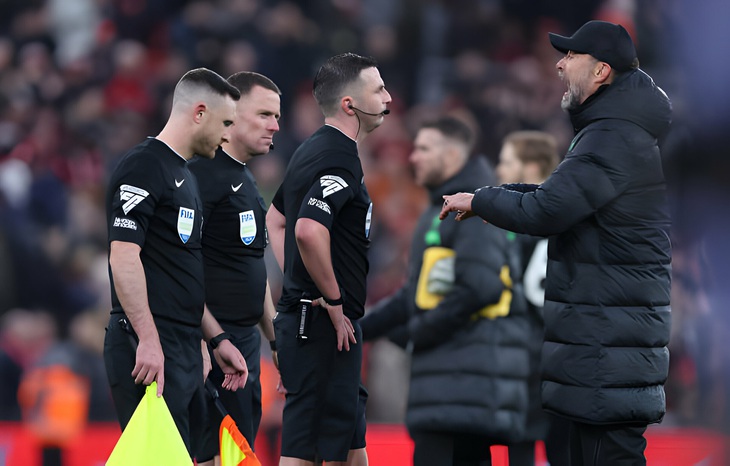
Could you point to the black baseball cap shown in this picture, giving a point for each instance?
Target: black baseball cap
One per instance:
(605, 41)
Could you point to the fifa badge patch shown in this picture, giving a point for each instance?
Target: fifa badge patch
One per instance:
(248, 226)
(368, 219)
(185, 223)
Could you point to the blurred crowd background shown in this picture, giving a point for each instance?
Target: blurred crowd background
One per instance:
(82, 81)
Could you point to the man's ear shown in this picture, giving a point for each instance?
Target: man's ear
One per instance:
(602, 72)
(199, 111)
(346, 105)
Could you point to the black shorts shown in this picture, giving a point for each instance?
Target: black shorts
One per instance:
(183, 390)
(244, 405)
(324, 414)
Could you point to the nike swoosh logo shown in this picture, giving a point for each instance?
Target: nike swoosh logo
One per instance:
(179, 183)
(236, 188)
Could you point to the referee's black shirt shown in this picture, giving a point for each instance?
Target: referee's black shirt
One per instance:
(234, 239)
(153, 201)
(324, 182)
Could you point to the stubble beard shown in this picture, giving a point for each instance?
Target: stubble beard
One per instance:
(571, 99)
(204, 149)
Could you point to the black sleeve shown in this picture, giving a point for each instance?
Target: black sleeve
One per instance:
(521, 187)
(389, 314)
(577, 188)
(480, 252)
(278, 200)
(138, 188)
(331, 191)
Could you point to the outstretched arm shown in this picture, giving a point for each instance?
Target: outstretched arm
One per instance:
(580, 186)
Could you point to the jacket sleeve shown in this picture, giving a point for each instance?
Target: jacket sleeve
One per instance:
(579, 187)
(480, 254)
(386, 317)
(520, 187)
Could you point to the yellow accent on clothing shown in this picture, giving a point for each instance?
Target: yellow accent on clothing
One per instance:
(501, 308)
(437, 277)
(426, 298)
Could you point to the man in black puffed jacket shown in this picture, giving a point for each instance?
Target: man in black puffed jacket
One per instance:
(462, 313)
(607, 311)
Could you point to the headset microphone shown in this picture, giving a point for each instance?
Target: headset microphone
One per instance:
(271, 146)
(384, 112)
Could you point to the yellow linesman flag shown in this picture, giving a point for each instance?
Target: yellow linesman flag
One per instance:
(151, 438)
(235, 450)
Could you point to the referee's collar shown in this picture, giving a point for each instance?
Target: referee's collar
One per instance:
(232, 157)
(169, 147)
(338, 129)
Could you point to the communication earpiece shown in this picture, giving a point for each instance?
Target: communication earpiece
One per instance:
(384, 112)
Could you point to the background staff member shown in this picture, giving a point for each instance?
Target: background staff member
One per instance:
(154, 215)
(460, 315)
(234, 240)
(529, 157)
(319, 224)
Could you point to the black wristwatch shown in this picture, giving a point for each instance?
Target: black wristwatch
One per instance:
(216, 340)
(336, 302)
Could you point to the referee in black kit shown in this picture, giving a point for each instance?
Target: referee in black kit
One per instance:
(234, 240)
(154, 217)
(319, 226)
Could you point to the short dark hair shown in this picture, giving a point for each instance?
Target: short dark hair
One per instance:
(204, 77)
(535, 147)
(244, 81)
(335, 75)
(452, 128)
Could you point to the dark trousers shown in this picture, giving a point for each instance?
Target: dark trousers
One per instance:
(557, 445)
(522, 454)
(184, 392)
(450, 449)
(614, 445)
(557, 440)
(244, 405)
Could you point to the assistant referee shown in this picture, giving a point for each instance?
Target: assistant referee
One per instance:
(234, 241)
(154, 217)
